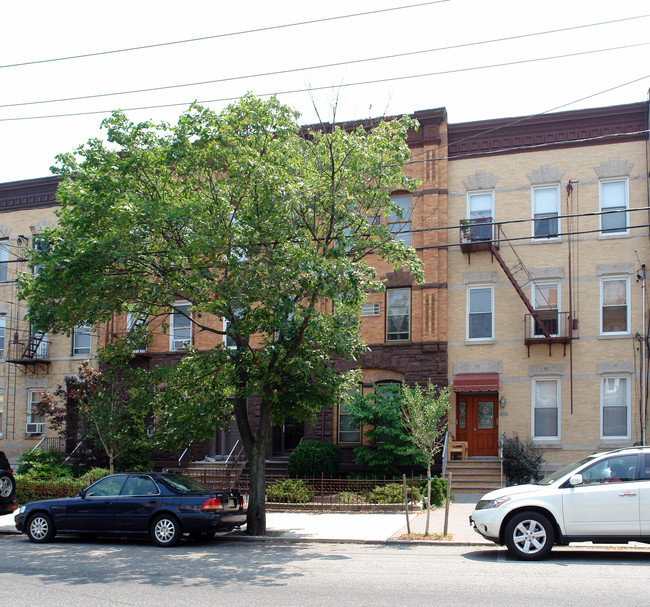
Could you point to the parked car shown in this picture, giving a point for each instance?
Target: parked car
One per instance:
(7, 486)
(603, 498)
(163, 506)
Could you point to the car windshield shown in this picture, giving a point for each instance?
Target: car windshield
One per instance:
(183, 484)
(551, 478)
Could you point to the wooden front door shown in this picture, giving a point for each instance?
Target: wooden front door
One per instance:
(477, 423)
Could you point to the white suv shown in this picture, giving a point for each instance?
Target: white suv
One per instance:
(604, 498)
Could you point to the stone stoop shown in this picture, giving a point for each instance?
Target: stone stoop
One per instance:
(475, 475)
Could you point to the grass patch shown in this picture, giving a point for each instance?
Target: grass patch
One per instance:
(427, 536)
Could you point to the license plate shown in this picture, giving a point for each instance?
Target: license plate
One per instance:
(232, 502)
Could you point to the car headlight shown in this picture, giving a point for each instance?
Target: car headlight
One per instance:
(20, 510)
(495, 503)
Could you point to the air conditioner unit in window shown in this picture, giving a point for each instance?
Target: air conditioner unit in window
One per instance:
(35, 428)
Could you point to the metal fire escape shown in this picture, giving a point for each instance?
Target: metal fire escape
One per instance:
(546, 325)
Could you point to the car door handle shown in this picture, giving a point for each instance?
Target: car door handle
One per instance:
(627, 494)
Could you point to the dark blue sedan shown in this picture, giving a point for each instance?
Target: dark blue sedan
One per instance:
(164, 506)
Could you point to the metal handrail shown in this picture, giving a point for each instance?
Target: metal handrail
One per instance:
(444, 454)
(184, 452)
(73, 451)
(231, 451)
(38, 444)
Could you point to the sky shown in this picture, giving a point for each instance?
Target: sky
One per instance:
(339, 60)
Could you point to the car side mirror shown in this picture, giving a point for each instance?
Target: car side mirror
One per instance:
(82, 493)
(575, 480)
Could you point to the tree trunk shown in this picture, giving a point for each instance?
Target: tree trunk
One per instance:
(426, 528)
(256, 516)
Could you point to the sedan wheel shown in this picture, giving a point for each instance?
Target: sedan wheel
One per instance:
(40, 528)
(530, 536)
(7, 487)
(166, 531)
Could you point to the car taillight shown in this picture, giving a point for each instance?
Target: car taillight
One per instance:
(212, 503)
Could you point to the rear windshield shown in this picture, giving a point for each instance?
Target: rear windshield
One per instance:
(183, 484)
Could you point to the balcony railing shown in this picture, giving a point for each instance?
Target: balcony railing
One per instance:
(557, 325)
(477, 234)
(28, 347)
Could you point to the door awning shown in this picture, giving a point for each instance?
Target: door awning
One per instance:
(476, 382)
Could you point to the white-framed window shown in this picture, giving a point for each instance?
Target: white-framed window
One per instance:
(480, 211)
(228, 340)
(371, 309)
(546, 300)
(35, 422)
(81, 340)
(4, 260)
(546, 408)
(615, 401)
(546, 204)
(613, 203)
(348, 430)
(180, 327)
(398, 314)
(615, 308)
(480, 317)
(400, 223)
(3, 331)
(133, 323)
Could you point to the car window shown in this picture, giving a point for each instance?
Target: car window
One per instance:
(615, 469)
(111, 485)
(645, 470)
(183, 484)
(139, 485)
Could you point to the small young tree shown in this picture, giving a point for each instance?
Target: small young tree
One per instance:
(424, 411)
(389, 445)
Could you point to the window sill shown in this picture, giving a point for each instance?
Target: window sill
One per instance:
(542, 240)
(614, 235)
(548, 443)
(615, 336)
(480, 342)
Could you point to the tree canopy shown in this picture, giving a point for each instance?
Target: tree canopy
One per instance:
(247, 217)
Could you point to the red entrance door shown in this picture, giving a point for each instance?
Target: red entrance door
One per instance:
(477, 423)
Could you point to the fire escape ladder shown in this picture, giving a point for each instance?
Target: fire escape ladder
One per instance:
(518, 268)
(34, 342)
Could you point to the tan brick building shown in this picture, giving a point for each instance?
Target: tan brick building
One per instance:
(546, 315)
(30, 363)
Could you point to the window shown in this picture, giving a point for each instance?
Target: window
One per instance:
(546, 299)
(615, 469)
(614, 311)
(4, 260)
(546, 408)
(613, 197)
(136, 323)
(545, 212)
(181, 327)
(3, 329)
(479, 313)
(35, 422)
(615, 407)
(228, 339)
(109, 486)
(480, 208)
(81, 340)
(399, 223)
(398, 314)
(349, 431)
(371, 309)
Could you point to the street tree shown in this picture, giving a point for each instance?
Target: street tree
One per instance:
(424, 411)
(246, 217)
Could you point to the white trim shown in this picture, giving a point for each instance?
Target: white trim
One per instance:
(628, 405)
(471, 288)
(548, 186)
(627, 305)
(177, 345)
(626, 185)
(558, 384)
(534, 288)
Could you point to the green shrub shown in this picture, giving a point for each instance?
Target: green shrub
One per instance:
(43, 464)
(393, 493)
(93, 475)
(30, 489)
(349, 497)
(290, 491)
(313, 458)
(522, 461)
(438, 490)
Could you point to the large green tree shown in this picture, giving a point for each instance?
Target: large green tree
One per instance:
(247, 217)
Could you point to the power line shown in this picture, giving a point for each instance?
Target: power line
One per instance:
(342, 85)
(321, 66)
(225, 35)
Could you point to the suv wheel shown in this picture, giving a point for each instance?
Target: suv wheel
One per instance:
(529, 536)
(7, 487)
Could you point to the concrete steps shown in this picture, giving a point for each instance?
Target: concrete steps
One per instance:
(475, 475)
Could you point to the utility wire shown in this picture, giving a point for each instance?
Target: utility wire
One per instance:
(225, 35)
(342, 85)
(318, 67)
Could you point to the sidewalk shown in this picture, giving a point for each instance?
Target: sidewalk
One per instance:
(353, 527)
